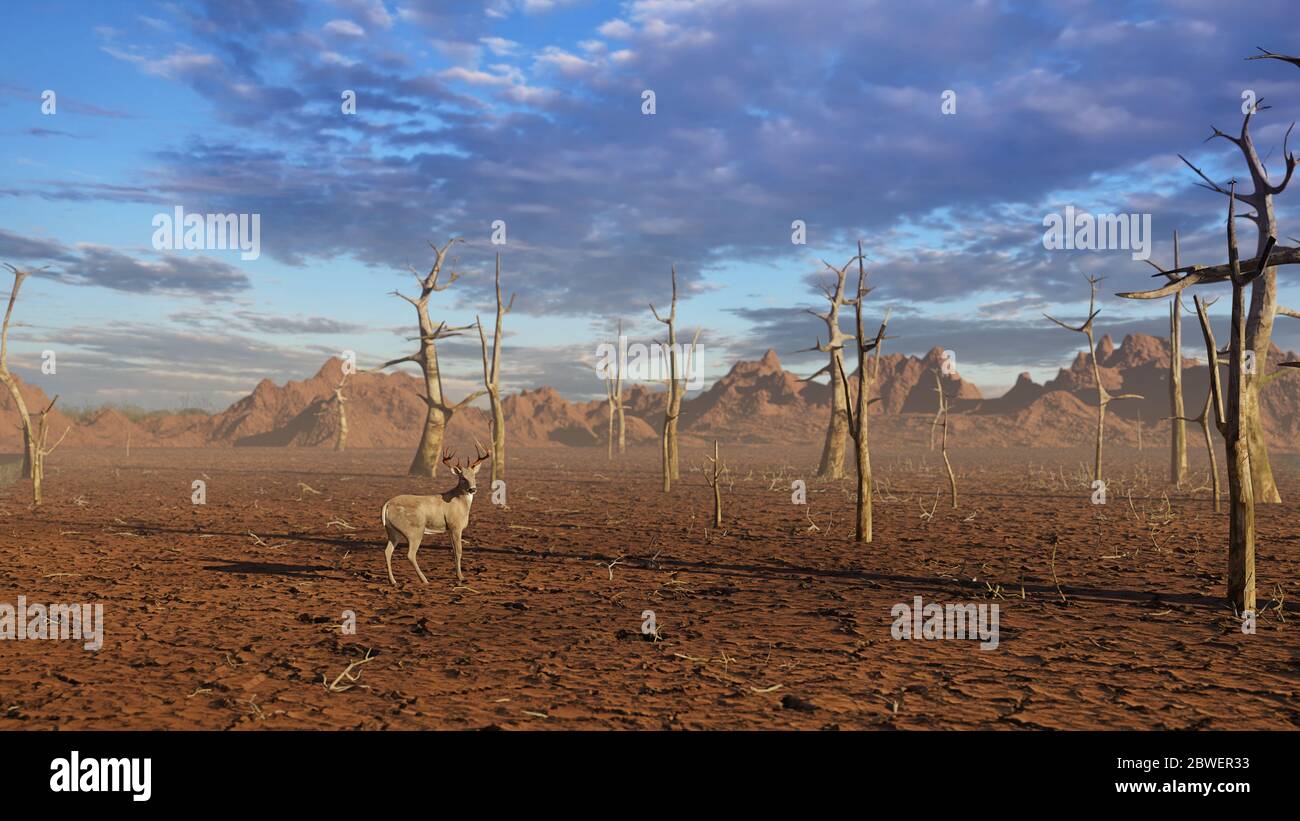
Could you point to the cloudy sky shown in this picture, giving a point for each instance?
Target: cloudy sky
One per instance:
(532, 112)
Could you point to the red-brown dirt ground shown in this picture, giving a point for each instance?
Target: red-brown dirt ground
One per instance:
(228, 614)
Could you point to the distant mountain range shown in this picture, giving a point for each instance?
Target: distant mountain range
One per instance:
(756, 402)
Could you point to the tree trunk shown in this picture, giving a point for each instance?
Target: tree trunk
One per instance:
(1241, 493)
(1261, 471)
(427, 454)
(673, 457)
(862, 523)
(1258, 336)
(716, 483)
(1214, 460)
(342, 441)
(24, 418)
(1101, 428)
(38, 473)
(1178, 433)
(663, 453)
(943, 409)
(622, 430)
(837, 432)
(1241, 529)
(7, 378)
(498, 436)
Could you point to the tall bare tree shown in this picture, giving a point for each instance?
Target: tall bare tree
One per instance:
(857, 419)
(1233, 421)
(42, 449)
(439, 412)
(7, 378)
(492, 379)
(1204, 421)
(1177, 417)
(1104, 397)
(341, 441)
(714, 480)
(832, 461)
(614, 399)
(1263, 293)
(676, 386)
(335, 403)
(1233, 417)
(619, 407)
(1232, 411)
(943, 411)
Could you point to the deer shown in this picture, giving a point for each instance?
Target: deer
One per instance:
(411, 517)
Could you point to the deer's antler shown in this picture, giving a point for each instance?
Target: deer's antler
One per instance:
(481, 452)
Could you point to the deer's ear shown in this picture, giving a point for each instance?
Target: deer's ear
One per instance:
(455, 470)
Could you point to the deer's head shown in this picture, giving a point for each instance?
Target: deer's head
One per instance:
(467, 474)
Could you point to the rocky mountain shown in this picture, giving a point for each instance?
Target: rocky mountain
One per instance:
(757, 401)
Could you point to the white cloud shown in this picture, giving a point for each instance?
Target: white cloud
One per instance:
(543, 6)
(335, 59)
(500, 46)
(344, 28)
(567, 64)
(171, 66)
(529, 95)
(508, 76)
(618, 29)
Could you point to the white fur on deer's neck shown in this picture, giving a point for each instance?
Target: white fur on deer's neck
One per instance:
(460, 491)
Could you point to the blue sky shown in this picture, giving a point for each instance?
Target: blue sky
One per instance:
(529, 111)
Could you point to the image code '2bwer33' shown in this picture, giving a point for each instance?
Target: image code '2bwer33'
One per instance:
(734, 366)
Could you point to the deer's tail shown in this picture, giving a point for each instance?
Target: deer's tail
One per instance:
(383, 515)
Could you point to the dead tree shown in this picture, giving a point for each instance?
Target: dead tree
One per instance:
(938, 413)
(610, 401)
(8, 379)
(832, 461)
(335, 403)
(943, 411)
(1104, 397)
(1231, 419)
(614, 398)
(1178, 433)
(1177, 415)
(857, 419)
(439, 412)
(1263, 294)
(41, 449)
(492, 380)
(1234, 416)
(619, 407)
(714, 481)
(676, 387)
(341, 441)
(1204, 421)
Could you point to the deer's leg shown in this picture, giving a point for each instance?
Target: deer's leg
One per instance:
(388, 559)
(455, 549)
(413, 540)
